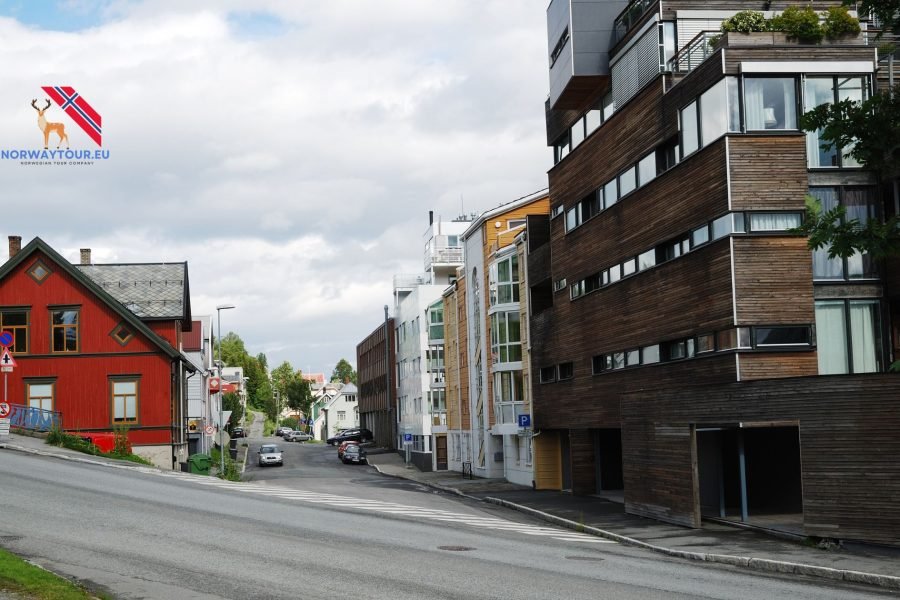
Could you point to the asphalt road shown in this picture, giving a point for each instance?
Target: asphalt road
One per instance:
(316, 528)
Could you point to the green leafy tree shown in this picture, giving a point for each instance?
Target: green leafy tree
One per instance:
(886, 11)
(343, 371)
(869, 132)
(299, 394)
(232, 402)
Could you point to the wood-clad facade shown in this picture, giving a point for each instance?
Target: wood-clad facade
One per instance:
(677, 322)
(87, 357)
(375, 357)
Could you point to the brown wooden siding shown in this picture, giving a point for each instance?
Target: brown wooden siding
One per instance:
(624, 139)
(848, 443)
(791, 51)
(581, 455)
(773, 281)
(772, 365)
(768, 172)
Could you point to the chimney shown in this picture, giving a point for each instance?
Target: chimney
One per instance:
(15, 244)
(85, 256)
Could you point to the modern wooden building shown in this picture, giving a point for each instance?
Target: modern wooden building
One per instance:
(375, 358)
(101, 345)
(690, 354)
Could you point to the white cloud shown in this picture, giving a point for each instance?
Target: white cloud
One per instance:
(290, 151)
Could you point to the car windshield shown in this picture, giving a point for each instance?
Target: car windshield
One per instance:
(352, 449)
(269, 449)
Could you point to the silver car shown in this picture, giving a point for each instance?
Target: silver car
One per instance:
(297, 436)
(270, 454)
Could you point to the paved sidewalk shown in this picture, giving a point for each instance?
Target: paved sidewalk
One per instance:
(713, 543)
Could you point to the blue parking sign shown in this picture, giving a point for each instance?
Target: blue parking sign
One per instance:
(524, 420)
(407, 438)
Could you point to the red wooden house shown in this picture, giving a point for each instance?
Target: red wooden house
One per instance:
(100, 344)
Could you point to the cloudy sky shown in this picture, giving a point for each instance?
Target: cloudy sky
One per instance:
(289, 150)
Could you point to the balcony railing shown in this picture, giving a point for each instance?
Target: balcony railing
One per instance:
(410, 281)
(631, 15)
(440, 256)
(693, 53)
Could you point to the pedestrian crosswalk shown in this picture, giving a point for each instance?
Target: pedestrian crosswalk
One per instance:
(391, 508)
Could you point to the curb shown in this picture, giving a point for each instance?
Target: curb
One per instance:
(755, 564)
(436, 486)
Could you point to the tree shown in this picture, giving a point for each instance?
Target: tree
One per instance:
(869, 132)
(232, 402)
(343, 371)
(886, 11)
(299, 394)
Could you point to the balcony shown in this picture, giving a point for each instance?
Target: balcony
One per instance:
(631, 16)
(443, 256)
(409, 282)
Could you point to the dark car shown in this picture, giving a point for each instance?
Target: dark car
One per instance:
(351, 435)
(238, 432)
(354, 454)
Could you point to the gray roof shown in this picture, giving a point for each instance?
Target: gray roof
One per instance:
(150, 291)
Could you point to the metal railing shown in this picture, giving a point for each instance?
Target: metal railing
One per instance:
(693, 53)
(443, 256)
(34, 419)
(631, 15)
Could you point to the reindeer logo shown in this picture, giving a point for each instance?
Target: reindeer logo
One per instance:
(48, 128)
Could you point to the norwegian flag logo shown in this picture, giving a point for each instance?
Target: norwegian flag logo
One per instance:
(78, 109)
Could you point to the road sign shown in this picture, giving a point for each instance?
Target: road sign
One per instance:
(524, 420)
(407, 438)
(6, 338)
(210, 430)
(6, 359)
(5, 409)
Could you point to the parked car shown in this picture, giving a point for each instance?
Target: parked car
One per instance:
(356, 435)
(355, 454)
(282, 430)
(238, 432)
(343, 447)
(270, 454)
(297, 436)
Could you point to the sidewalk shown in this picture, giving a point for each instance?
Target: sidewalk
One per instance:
(713, 543)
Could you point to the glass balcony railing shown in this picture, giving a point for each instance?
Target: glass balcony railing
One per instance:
(631, 15)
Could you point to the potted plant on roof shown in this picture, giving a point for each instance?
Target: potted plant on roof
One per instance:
(748, 27)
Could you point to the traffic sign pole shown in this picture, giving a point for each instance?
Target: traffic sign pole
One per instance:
(4, 421)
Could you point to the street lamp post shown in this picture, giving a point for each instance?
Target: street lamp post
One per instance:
(220, 364)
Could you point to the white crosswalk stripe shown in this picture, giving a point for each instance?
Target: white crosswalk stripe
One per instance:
(389, 508)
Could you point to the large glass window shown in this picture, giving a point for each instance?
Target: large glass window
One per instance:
(508, 393)
(506, 337)
(848, 336)
(829, 90)
(15, 322)
(770, 103)
(714, 112)
(504, 280)
(689, 140)
(64, 325)
(861, 205)
(436, 321)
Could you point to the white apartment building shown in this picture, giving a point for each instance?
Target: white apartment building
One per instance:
(419, 372)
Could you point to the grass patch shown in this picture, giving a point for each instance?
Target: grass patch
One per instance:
(23, 578)
(232, 471)
(57, 437)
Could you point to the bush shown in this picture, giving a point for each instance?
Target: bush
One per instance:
(746, 21)
(839, 23)
(799, 23)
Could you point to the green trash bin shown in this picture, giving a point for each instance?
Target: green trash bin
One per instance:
(200, 463)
